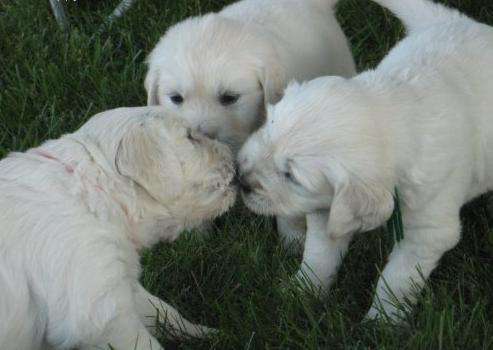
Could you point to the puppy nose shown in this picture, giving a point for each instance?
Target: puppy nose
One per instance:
(244, 185)
(204, 130)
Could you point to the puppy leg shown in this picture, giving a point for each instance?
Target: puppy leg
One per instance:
(322, 255)
(127, 332)
(152, 309)
(292, 233)
(412, 260)
(121, 326)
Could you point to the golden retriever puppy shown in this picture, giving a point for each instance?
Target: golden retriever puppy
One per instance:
(76, 211)
(420, 124)
(220, 70)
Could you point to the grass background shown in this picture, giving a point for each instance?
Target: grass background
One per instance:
(50, 83)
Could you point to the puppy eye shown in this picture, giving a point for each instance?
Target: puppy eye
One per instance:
(228, 98)
(288, 176)
(177, 99)
(190, 136)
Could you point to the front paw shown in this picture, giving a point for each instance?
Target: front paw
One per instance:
(201, 331)
(373, 315)
(303, 282)
(192, 331)
(386, 313)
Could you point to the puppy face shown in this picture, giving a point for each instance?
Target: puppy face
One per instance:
(182, 170)
(273, 182)
(217, 74)
(320, 149)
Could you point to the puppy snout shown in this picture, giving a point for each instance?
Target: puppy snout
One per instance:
(207, 131)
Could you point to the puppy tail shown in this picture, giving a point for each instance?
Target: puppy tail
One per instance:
(420, 14)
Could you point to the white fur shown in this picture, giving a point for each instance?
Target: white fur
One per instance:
(251, 48)
(74, 212)
(420, 122)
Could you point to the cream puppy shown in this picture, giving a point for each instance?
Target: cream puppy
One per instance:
(421, 123)
(219, 70)
(75, 212)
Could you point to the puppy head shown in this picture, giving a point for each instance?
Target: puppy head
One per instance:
(217, 74)
(184, 171)
(320, 149)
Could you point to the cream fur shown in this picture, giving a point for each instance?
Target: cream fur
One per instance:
(75, 212)
(250, 49)
(420, 122)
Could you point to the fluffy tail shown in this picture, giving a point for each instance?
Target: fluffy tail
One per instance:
(419, 14)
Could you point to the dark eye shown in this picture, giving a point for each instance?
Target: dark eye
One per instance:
(177, 99)
(288, 176)
(190, 136)
(228, 98)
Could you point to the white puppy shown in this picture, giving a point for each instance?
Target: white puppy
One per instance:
(219, 70)
(74, 214)
(420, 123)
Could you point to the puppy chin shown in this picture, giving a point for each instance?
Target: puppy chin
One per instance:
(258, 204)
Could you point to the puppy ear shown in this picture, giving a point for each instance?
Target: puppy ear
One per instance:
(143, 157)
(293, 87)
(357, 207)
(272, 85)
(271, 76)
(151, 84)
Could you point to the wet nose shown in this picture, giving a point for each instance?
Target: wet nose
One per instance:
(244, 185)
(207, 131)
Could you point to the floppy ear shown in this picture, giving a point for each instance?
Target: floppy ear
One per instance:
(151, 85)
(272, 82)
(271, 75)
(144, 158)
(358, 207)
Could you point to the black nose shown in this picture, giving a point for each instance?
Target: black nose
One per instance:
(244, 185)
(208, 132)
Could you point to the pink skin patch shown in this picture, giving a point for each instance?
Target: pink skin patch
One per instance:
(69, 168)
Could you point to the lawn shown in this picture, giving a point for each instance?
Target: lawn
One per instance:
(50, 83)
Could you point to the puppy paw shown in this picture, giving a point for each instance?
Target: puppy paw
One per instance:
(205, 332)
(303, 283)
(372, 315)
(389, 314)
(193, 331)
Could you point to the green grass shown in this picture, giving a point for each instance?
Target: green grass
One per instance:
(50, 83)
